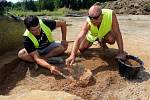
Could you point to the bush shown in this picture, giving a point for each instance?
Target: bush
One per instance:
(147, 7)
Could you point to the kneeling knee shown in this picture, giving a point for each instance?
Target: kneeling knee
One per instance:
(82, 49)
(63, 49)
(111, 40)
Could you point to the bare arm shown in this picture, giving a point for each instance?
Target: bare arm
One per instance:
(42, 62)
(62, 24)
(118, 36)
(80, 37)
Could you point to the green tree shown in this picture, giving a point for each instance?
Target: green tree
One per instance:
(48, 5)
(29, 5)
(63, 3)
(32, 6)
(3, 4)
(57, 3)
(19, 6)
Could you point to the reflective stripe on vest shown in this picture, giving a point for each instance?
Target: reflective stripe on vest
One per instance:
(46, 30)
(105, 26)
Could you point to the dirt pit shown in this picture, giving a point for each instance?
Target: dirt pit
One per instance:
(77, 73)
(106, 83)
(25, 77)
(105, 80)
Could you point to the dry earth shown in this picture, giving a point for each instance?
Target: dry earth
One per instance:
(106, 83)
(134, 7)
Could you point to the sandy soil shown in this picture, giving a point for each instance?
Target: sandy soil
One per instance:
(106, 83)
(134, 7)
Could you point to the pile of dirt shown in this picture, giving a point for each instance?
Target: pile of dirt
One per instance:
(132, 63)
(135, 7)
(106, 82)
(25, 78)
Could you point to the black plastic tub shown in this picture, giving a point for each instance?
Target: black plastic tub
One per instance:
(127, 70)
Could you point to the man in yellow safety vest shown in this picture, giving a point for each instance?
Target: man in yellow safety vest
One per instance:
(101, 25)
(39, 43)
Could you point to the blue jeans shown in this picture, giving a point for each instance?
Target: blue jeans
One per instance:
(48, 48)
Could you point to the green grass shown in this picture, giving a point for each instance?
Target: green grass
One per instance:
(58, 12)
(55, 13)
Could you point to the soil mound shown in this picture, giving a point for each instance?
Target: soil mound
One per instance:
(135, 7)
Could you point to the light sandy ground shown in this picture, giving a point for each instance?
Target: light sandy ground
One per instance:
(106, 84)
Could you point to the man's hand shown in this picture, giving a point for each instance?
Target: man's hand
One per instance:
(121, 56)
(64, 44)
(70, 60)
(54, 70)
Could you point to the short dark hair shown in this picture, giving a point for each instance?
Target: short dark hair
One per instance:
(31, 21)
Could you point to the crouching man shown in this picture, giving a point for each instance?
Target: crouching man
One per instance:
(39, 43)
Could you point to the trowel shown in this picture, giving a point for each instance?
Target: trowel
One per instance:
(65, 76)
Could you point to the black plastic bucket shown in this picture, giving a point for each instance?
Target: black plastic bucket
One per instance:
(127, 70)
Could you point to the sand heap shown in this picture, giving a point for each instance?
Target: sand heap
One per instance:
(135, 7)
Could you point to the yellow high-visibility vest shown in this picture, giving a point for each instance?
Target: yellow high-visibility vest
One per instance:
(105, 27)
(46, 30)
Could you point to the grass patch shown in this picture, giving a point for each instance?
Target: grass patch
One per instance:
(55, 13)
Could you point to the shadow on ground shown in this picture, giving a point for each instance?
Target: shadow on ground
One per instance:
(104, 61)
(21, 71)
(108, 62)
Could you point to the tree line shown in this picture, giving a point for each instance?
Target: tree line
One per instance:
(50, 5)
